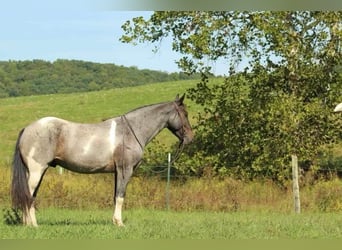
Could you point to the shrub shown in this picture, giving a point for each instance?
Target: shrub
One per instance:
(328, 196)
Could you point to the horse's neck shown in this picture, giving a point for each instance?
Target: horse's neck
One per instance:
(147, 122)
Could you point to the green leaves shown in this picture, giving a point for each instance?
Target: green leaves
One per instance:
(203, 36)
(252, 127)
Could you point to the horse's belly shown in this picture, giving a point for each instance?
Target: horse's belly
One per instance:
(90, 169)
(88, 163)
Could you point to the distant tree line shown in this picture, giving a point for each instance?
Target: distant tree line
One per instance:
(22, 78)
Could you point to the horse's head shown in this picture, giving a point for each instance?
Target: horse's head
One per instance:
(179, 123)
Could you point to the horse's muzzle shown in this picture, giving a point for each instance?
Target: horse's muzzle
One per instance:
(188, 138)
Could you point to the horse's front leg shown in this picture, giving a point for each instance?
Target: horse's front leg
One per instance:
(122, 177)
(117, 216)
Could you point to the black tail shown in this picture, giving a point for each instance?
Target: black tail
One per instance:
(21, 197)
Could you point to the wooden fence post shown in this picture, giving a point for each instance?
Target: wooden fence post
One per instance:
(295, 183)
(168, 181)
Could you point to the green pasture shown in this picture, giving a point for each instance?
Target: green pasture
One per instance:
(157, 224)
(90, 107)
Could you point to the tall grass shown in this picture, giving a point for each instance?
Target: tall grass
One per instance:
(71, 190)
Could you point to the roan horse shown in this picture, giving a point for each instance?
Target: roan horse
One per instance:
(113, 146)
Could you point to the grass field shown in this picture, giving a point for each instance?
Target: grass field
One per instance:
(156, 224)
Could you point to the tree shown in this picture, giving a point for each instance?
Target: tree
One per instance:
(280, 104)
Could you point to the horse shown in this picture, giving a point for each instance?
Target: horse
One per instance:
(114, 145)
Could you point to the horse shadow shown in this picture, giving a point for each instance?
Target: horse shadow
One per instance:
(11, 216)
(71, 222)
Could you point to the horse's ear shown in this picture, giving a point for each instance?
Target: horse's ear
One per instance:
(178, 100)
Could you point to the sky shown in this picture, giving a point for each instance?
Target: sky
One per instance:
(32, 29)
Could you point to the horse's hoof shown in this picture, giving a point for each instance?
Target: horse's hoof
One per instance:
(119, 223)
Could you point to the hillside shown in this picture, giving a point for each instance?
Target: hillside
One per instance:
(37, 77)
(18, 112)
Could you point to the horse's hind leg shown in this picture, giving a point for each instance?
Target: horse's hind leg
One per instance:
(36, 173)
